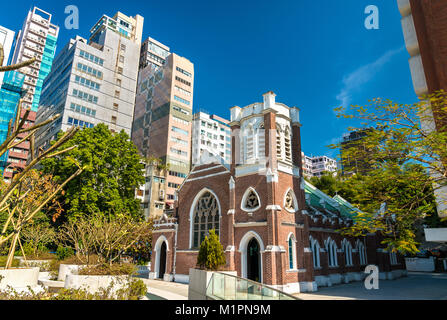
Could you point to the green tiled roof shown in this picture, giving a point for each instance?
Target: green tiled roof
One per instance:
(318, 199)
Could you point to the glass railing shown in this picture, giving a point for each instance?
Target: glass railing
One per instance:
(228, 287)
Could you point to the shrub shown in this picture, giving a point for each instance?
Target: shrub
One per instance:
(134, 289)
(211, 254)
(107, 269)
(64, 252)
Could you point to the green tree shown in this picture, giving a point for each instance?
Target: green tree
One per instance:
(406, 158)
(211, 254)
(113, 170)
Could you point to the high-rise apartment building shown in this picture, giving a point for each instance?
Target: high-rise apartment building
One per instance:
(153, 53)
(163, 114)
(94, 81)
(351, 164)
(6, 40)
(10, 93)
(318, 166)
(212, 134)
(37, 39)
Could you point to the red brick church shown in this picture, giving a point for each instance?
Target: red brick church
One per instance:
(274, 226)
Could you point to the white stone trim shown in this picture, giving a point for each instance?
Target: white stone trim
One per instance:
(163, 230)
(206, 169)
(271, 248)
(231, 211)
(244, 170)
(250, 224)
(275, 207)
(243, 250)
(231, 183)
(271, 176)
(208, 176)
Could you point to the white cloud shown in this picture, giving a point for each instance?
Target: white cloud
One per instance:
(353, 81)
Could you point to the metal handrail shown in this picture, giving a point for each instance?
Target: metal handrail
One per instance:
(252, 282)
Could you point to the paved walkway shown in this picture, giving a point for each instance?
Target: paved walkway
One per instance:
(417, 286)
(166, 290)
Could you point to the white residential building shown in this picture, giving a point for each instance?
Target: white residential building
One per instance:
(210, 133)
(318, 166)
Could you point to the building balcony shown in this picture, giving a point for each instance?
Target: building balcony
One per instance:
(39, 41)
(18, 155)
(38, 32)
(30, 81)
(41, 22)
(34, 48)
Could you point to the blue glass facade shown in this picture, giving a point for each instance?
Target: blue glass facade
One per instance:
(10, 93)
(45, 68)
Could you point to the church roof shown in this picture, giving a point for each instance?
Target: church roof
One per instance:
(319, 202)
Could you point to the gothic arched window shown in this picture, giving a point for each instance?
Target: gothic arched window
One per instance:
(290, 202)
(362, 252)
(205, 217)
(331, 249)
(315, 248)
(250, 200)
(347, 248)
(292, 252)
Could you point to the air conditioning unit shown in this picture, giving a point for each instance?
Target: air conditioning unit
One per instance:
(161, 194)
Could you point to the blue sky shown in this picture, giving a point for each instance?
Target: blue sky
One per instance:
(315, 55)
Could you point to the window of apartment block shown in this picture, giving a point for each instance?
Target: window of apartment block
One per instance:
(117, 94)
(120, 70)
(115, 106)
(114, 119)
(118, 82)
(123, 47)
(121, 58)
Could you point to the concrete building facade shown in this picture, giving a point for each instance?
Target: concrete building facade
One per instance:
(162, 121)
(94, 81)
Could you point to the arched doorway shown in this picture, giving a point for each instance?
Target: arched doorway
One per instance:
(162, 261)
(253, 260)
